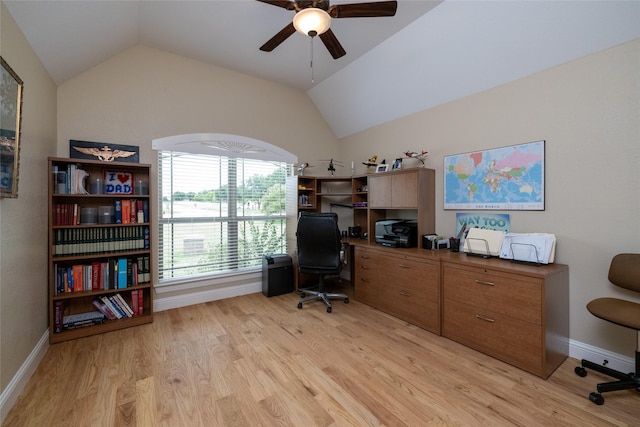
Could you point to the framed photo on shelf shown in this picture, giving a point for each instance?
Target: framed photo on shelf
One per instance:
(382, 168)
(397, 164)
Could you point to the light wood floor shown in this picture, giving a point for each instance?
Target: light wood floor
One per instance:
(257, 361)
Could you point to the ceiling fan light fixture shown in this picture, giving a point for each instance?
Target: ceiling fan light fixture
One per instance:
(312, 21)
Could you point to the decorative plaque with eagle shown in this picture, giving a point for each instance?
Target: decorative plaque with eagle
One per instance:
(103, 152)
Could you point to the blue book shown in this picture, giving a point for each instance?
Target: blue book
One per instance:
(118, 211)
(145, 210)
(122, 273)
(147, 237)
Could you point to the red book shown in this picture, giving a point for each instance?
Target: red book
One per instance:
(140, 211)
(133, 213)
(96, 275)
(134, 301)
(140, 302)
(126, 211)
(56, 218)
(76, 215)
(76, 273)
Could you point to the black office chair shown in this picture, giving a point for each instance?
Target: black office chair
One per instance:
(624, 272)
(320, 252)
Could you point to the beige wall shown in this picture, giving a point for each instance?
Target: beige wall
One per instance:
(588, 111)
(143, 93)
(23, 221)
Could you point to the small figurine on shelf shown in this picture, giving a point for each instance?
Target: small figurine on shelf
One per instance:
(332, 164)
(302, 168)
(420, 156)
(371, 162)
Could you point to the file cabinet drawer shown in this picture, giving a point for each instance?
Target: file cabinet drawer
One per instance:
(412, 274)
(411, 303)
(503, 294)
(407, 287)
(366, 276)
(366, 287)
(506, 338)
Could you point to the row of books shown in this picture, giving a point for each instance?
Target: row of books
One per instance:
(131, 211)
(74, 321)
(125, 211)
(115, 306)
(115, 273)
(110, 307)
(83, 241)
(70, 181)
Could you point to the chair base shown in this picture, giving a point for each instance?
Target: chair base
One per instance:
(320, 295)
(625, 381)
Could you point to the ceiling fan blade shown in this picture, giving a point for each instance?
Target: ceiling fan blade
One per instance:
(286, 4)
(332, 44)
(275, 41)
(364, 10)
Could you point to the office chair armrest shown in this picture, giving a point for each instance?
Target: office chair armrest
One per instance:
(343, 252)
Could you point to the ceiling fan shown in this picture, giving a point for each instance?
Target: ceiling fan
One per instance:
(313, 18)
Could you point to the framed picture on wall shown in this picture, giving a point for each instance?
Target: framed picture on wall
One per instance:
(11, 87)
(505, 178)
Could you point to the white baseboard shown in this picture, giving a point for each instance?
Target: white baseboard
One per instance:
(615, 361)
(178, 301)
(13, 390)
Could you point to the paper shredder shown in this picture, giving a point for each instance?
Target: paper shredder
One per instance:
(277, 274)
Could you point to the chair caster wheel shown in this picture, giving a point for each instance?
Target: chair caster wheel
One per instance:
(596, 398)
(346, 300)
(302, 295)
(580, 371)
(299, 305)
(328, 309)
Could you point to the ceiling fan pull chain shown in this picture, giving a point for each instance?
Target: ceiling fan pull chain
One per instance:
(312, 78)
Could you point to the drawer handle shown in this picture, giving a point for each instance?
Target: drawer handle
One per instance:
(364, 256)
(363, 279)
(365, 267)
(404, 266)
(486, 319)
(482, 282)
(405, 294)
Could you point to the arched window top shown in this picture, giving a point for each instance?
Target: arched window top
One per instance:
(220, 144)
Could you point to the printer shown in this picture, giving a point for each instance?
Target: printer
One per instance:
(397, 233)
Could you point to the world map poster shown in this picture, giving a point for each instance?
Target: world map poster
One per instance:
(506, 178)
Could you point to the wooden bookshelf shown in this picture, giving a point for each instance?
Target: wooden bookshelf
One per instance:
(86, 235)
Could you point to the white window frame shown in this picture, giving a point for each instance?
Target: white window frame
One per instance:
(224, 145)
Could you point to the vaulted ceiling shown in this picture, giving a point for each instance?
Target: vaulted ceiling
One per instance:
(431, 52)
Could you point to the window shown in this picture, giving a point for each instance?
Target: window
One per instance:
(218, 214)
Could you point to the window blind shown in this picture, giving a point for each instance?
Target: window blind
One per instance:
(218, 214)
